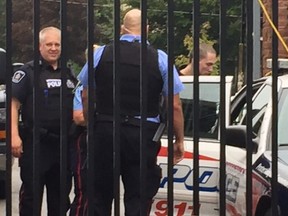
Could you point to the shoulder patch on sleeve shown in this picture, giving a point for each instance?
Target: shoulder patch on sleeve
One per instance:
(18, 76)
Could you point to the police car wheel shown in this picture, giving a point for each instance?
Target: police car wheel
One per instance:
(2, 189)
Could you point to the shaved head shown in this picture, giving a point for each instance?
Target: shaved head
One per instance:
(132, 22)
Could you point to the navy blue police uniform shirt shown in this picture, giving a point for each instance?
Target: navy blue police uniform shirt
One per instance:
(21, 84)
(22, 80)
(49, 98)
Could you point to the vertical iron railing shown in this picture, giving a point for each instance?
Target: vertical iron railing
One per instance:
(223, 57)
(248, 5)
(242, 43)
(274, 139)
(36, 94)
(143, 109)
(196, 35)
(116, 110)
(64, 184)
(170, 39)
(8, 107)
(249, 82)
(91, 99)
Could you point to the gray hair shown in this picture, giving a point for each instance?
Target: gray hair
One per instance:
(47, 29)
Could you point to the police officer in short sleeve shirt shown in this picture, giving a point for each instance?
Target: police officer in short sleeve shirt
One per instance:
(49, 123)
(129, 141)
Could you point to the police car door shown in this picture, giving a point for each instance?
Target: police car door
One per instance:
(209, 97)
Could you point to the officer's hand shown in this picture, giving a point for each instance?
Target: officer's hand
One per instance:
(16, 147)
(178, 152)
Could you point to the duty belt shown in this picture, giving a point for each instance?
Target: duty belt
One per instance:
(27, 131)
(129, 120)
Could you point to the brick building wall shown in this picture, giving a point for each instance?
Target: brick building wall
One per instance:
(267, 32)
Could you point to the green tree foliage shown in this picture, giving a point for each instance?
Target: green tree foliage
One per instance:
(49, 15)
(183, 30)
(104, 25)
(183, 59)
(76, 26)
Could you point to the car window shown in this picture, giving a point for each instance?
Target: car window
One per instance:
(282, 119)
(208, 109)
(259, 106)
(239, 101)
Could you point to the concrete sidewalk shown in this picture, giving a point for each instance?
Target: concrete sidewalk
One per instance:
(16, 183)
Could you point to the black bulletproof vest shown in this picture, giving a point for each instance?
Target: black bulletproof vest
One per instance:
(49, 99)
(129, 70)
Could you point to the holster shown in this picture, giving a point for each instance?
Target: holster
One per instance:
(26, 132)
(160, 130)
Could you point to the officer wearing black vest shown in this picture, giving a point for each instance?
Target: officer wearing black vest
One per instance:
(129, 71)
(49, 122)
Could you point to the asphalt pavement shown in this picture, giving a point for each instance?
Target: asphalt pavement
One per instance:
(16, 183)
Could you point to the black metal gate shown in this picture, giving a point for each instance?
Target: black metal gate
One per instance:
(223, 187)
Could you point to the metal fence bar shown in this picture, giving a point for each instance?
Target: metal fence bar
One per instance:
(116, 110)
(143, 109)
(196, 35)
(170, 39)
(274, 140)
(143, 86)
(63, 110)
(91, 98)
(36, 94)
(223, 51)
(8, 72)
(249, 81)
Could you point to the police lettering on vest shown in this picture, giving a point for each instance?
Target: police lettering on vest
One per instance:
(49, 97)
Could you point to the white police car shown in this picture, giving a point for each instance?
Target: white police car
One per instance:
(209, 148)
(209, 96)
(262, 155)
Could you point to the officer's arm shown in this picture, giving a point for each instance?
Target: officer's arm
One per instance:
(16, 142)
(178, 126)
(85, 103)
(178, 121)
(78, 117)
(15, 106)
(187, 70)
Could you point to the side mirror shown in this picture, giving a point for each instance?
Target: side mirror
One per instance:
(236, 135)
(2, 66)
